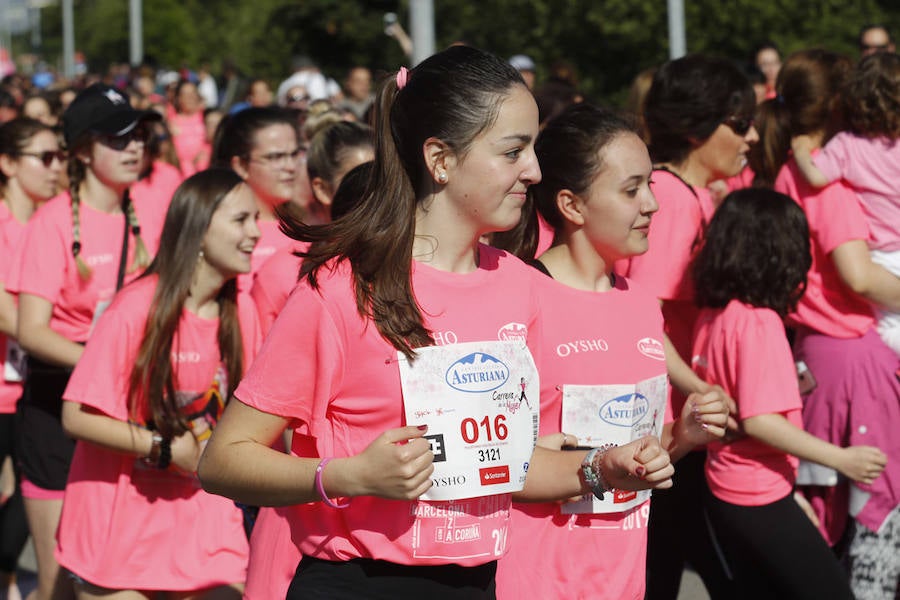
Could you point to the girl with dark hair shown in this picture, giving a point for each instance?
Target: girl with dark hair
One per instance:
(262, 145)
(699, 116)
(77, 250)
(602, 331)
(30, 166)
(148, 389)
(185, 120)
(332, 153)
(851, 391)
(749, 274)
(867, 158)
(403, 272)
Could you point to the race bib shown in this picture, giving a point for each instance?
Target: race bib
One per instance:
(613, 415)
(480, 401)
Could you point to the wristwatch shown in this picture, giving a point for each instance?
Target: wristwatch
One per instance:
(593, 473)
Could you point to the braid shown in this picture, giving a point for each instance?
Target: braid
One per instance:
(76, 176)
(141, 256)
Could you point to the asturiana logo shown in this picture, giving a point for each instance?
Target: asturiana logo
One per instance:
(625, 411)
(513, 332)
(651, 348)
(476, 373)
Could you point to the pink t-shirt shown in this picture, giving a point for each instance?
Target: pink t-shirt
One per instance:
(45, 265)
(125, 525)
(274, 282)
(675, 234)
(271, 240)
(588, 338)
(871, 166)
(189, 139)
(744, 349)
(331, 372)
(11, 233)
(834, 217)
(152, 196)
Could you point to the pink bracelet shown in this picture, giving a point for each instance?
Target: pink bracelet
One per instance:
(321, 488)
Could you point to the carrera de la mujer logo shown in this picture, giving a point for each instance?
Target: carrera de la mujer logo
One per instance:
(476, 373)
(626, 410)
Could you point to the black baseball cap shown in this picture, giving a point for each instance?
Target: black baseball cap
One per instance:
(102, 109)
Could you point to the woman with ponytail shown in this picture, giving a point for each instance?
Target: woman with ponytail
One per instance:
(400, 278)
(142, 400)
(77, 250)
(30, 166)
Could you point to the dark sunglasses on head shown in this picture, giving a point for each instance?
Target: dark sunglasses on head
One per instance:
(739, 125)
(47, 156)
(120, 142)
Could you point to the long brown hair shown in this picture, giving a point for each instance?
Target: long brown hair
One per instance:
(152, 382)
(808, 100)
(453, 96)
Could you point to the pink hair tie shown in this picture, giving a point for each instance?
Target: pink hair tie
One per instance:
(402, 78)
(321, 488)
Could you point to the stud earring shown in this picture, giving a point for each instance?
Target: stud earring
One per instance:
(442, 177)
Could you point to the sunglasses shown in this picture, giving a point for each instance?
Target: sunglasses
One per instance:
(120, 142)
(740, 125)
(46, 157)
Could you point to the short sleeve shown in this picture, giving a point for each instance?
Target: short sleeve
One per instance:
(39, 264)
(765, 376)
(836, 217)
(100, 379)
(299, 364)
(833, 159)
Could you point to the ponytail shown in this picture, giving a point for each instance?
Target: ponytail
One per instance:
(76, 177)
(773, 150)
(141, 255)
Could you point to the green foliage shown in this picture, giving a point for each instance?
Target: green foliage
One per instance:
(606, 41)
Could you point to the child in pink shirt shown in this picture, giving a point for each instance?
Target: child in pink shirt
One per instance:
(750, 272)
(77, 250)
(144, 397)
(401, 273)
(867, 158)
(598, 329)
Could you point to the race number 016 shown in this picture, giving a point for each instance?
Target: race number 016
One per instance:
(471, 429)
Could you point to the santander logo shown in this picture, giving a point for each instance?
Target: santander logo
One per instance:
(651, 348)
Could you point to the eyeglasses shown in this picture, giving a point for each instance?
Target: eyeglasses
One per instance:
(297, 98)
(740, 125)
(279, 158)
(120, 142)
(874, 47)
(47, 156)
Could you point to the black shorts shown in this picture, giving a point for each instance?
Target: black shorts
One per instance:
(318, 579)
(43, 449)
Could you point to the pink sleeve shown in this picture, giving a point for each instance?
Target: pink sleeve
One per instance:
(836, 217)
(663, 269)
(39, 264)
(765, 376)
(250, 329)
(832, 160)
(100, 379)
(6, 255)
(300, 361)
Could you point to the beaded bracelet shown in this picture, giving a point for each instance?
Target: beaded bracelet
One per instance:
(321, 488)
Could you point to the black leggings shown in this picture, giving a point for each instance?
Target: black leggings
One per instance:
(775, 551)
(359, 578)
(13, 526)
(680, 532)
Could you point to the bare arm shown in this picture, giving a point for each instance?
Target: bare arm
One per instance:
(859, 463)
(803, 145)
(8, 313)
(556, 475)
(703, 418)
(36, 337)
(239, 463)
(871, 281)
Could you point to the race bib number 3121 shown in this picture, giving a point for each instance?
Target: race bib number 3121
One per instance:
(480, 401)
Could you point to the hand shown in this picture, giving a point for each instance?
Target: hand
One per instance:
(803, 144)
(807, 508)
(639, 465)
(862, 464)
(186, 451)
(398, 465)
(705, 417)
